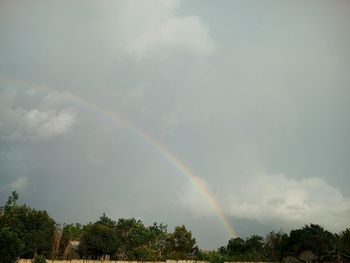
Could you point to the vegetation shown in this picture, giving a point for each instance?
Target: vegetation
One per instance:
(181, 244)
(27, 233)
(39, 259)
(70, 232)
(11, 246)
(98, 240)
(34, 228)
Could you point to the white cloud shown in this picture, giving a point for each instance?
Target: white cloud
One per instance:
(42, 122)
(50, 123)
(186, 34)
(19, 184)
(150, 28)
(278, 199)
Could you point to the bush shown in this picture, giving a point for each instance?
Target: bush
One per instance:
(39, 259)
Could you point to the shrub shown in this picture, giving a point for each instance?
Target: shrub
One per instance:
(39, 259)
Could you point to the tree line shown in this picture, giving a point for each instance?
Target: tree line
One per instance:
(26, 232)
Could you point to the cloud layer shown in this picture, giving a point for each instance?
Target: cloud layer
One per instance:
(33, 124)
(277, 199)
(19, 185)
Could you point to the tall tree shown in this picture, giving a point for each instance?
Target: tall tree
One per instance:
(97, 240)
(11, 202)
(235, 248)
(157, 241)
(133, 237)
(345, 244)
(312, 238)
(254, 248)
(106, 221)
(35, 228)
(275, 244)
(181, 244)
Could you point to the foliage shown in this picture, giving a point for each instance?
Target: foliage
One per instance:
(97, 240)
(11, 202)
(181, 244)
(39, 259)
(149, 243)
(211, 256)
(106, 221)
(128, 239)
(275, 245)
(235, 248)
(133, 237)
(157, 241)
(254, 248)
(312, 238)
(35, 228)
(25, 232)
(70, 232)
(10, 246)
(250, 249)
(345, 243)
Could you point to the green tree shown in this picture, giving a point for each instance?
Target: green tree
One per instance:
(235, 249)
(97, 240)
(152, 247)
(157, 241)
(11, 202)
(250, 249)
(344, 239)
(181, 244)
(254, 248)
(11, 246)
(275, 244)
(35, 228)
(133, 237)
(106, 221)
(211, 256)
(313, 238)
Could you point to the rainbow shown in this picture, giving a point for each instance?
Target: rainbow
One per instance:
(161, 148)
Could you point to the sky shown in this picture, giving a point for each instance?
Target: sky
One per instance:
(250, 99)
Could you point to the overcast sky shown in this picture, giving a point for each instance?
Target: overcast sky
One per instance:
(253, 96)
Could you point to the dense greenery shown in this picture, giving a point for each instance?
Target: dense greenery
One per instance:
(27, 233)
(98, 240)
(320, 244)
(35, 229)
(10, 245)
(39, 259)
(129, 239)
(181, 244)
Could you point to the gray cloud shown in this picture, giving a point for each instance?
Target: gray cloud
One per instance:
(277, 198)
(19, 184)
(32, 124)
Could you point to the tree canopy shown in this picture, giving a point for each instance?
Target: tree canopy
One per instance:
(26, 232)
(11, 246)
(34, 228)
(97, 240)
(181, 244)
